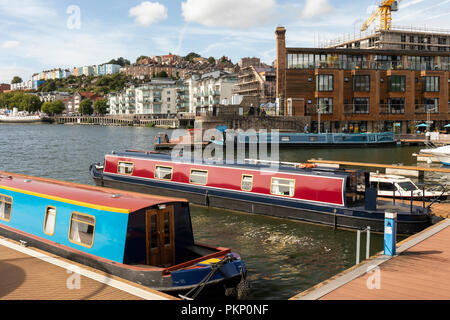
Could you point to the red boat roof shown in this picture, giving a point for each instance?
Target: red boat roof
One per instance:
(83, 195)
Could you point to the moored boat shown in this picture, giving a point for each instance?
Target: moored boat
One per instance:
(293, 139)
(335, 197)
(141, 238)
(394, 186)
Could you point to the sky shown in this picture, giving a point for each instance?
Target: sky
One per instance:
(38, 35)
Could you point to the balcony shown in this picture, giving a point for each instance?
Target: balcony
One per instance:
(392, 109)
(356, 109)
(426, 108)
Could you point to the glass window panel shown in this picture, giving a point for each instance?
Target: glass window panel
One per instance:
(247, 183)
(125, 168)
(199, 177)
(5, 208)
(50, 219)
(164, 173)
(282, 187)
(82, 229)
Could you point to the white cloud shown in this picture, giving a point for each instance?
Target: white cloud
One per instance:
(10, 44)
(29, 10)
(314, 8)
(229, 13)
(148, 13)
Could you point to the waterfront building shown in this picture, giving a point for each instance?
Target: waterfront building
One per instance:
(158, 97)
(358, 89)
(107, 69)
(257, 82)
(209, 89)
(53, 96)
(73, 102)
(396, 38)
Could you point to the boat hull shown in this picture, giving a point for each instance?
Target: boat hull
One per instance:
(343, 218)
(151, 278)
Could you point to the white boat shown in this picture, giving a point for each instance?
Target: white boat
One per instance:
(401, 187)
(442, 154)
(22, 117)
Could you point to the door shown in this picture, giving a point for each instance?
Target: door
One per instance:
(160, 240)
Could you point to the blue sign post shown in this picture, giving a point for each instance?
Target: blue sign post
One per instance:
(390, 233)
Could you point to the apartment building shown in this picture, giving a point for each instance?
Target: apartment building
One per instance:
(209, 89)
(257, 82)
(397, 38)
(363, 89)
(159, 97)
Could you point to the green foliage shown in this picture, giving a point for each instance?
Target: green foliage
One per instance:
(86, 107)
(16, 79)
(190, 57)
(53, 108)
(141, 58)
(21, 101)
(120, 61)
(162, 74)
(101, 85)
(101, 106)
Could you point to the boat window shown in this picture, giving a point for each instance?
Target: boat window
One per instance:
(5, 208)
(386, 186)
(247, 183)
(164, 173)
(81, 230)
(407, 186)
(125, 168)
(282, 187)
(199, 177)
(49, 221)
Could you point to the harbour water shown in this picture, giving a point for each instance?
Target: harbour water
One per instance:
(283, 257)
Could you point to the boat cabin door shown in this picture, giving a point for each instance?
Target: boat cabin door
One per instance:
(160, 237)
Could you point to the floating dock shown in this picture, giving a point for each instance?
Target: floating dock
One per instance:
(31, 274)
(419, 271)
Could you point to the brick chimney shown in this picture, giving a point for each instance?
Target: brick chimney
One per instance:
(281, 67)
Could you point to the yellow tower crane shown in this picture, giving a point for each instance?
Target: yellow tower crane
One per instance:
(384, 11)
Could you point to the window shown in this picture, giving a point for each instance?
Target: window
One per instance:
(431, 105)
(49, 221)
(324, 82)
(361, 83)
(163, 173)
(199, 177)
(81, 230)
(431, 84)
(282, 187)
(125, 168)
(247, 183)
(396, 105)
(386, 186)
(398, 83)
(361, 105)
(5, 208)
(325, 105)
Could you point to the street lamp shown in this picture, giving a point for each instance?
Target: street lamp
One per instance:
(320, 109)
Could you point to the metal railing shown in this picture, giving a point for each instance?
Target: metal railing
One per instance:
(358, 244)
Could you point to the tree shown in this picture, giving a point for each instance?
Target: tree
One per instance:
(162, 74)
(212, 60)
(16, 79)
(86, 107)
(191, 56)
(101, 106)
(53, 108)
(57, 107)
(120, 61)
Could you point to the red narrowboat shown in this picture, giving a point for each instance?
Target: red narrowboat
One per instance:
(335, 197)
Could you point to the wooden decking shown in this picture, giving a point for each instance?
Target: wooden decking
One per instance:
(31, 274)
(419, 272)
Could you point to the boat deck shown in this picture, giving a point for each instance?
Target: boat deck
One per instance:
(31, 274)
(419, 272)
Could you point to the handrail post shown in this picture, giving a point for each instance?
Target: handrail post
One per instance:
(368, 243)
(358, 245)
(412, 201)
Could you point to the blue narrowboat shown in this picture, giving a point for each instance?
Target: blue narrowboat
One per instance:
(142, 238)
(285, 139)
